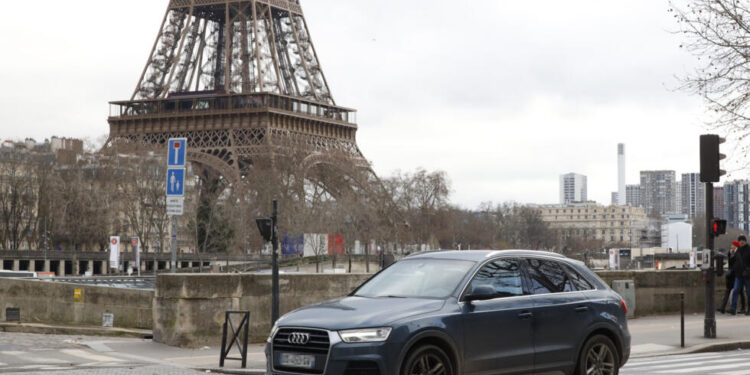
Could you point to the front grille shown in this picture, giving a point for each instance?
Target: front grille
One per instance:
(318, 346)
(362, 368)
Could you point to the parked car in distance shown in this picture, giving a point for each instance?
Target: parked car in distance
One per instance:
(461, 312)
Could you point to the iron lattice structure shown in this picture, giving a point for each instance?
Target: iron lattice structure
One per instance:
(242, 81)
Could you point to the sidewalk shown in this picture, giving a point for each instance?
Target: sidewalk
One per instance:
(660, 335)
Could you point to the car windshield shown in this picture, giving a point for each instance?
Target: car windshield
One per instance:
(417, 278)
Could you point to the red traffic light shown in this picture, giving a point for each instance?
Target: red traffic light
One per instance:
(718, 227)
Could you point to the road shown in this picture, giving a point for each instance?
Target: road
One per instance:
(722, 363)
(53, 354)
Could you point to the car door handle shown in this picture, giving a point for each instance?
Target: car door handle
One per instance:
(525, 315)
(582, 309)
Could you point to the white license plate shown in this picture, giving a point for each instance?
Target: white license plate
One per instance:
(297, 360)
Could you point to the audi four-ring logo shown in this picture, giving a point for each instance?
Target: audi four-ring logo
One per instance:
(299, 338)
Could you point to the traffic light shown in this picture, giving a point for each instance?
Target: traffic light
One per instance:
(719, 258)
(718, 227)
(265, 226)
(711, 158)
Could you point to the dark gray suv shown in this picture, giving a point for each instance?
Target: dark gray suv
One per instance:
(461, 312)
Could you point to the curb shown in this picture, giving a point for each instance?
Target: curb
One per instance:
(73, 331)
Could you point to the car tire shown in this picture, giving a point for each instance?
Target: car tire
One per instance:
(427, 359)
(599, 356)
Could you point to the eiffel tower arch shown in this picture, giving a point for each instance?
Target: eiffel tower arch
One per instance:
(241, 80)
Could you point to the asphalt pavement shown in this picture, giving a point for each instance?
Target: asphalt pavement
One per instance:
(655, 350)
(72, 355)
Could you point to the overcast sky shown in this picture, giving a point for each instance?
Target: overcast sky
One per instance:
(502, 95)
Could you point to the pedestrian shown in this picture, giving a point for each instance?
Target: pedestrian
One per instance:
(729, 277)
(741, 272)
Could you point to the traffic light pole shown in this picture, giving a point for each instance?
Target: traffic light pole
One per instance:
(275, 264)
(709, 324)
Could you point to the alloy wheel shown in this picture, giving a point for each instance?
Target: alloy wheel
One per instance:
(600, 360)
(428, 364)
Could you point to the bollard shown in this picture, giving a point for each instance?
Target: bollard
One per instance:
(682, 319)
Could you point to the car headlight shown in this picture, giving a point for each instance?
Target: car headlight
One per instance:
(365, 335)
(273, 332)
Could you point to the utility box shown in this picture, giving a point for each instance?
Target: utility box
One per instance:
(626, 290)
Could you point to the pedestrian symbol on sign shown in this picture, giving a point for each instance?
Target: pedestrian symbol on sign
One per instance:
(175, 182)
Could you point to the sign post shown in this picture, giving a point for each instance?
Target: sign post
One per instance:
(176, 161)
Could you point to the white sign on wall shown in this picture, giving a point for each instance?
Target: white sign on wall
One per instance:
(114, 252)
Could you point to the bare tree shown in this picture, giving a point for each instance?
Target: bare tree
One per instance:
(16, 198)
(139, 178)
(718, 33)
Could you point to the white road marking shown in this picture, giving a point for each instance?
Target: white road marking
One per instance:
(706, 369)
(674, 366)
(660, 360)
(742, 372)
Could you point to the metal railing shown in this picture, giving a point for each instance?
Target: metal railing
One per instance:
(222, 103)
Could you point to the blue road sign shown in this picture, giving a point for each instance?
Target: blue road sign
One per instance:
(175, 182)
(177, 152)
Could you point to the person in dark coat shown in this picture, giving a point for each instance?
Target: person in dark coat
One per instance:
(741, 270)
(729, 277)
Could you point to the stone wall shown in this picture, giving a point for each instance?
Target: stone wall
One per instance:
(56, 303)
(658, 292)
(189, 309)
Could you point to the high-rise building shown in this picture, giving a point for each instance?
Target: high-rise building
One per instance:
(737, 205)
(621, 195)
(693, 195)
(633, 196)
(572, 188)
(658, 192)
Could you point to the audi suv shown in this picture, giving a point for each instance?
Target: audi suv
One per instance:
(461, 312)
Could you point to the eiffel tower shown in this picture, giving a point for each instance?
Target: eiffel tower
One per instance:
(241, 80)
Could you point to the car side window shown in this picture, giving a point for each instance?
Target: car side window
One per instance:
(578, 281)
(547, 276)
(503, 274)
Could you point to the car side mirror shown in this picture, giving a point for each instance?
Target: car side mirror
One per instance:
(481, 293)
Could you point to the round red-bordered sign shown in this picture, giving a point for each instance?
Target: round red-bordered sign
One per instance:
(114, 241)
